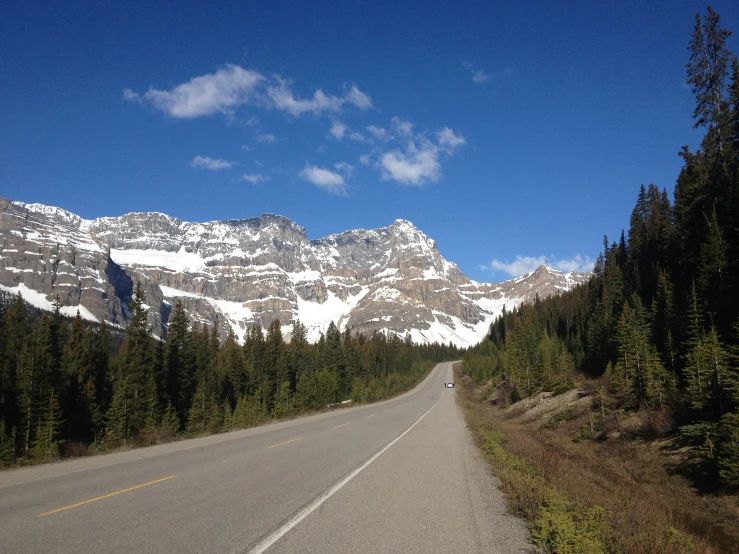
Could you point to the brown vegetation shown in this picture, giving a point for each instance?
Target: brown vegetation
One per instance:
(571, 472)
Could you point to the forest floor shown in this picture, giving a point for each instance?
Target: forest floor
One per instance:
(590, 478)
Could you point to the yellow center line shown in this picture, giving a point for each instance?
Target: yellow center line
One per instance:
(286, 442)
(105, 496)
(340, 425)
(371, 415)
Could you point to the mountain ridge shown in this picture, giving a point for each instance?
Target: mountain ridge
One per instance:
(243, 271)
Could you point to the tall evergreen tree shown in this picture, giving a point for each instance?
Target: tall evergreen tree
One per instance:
(708, 70)
(135, 363)
(46, 439)
(178, 359)
(79, 399)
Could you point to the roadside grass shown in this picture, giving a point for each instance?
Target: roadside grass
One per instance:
(583, 492)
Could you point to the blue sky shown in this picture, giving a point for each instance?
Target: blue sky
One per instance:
(504, 130)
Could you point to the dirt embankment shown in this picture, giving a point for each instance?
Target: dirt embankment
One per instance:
(580, 468)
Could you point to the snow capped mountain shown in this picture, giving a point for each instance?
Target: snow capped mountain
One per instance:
(241, 272)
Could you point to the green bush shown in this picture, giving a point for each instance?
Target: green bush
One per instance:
(557, 525)
(566, 527)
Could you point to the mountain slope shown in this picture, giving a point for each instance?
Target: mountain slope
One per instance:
(241, 272)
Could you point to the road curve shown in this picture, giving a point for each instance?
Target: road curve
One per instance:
(401, 476)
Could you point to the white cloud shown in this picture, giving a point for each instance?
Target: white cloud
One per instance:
(266, 138)
(221, 91)
(331, 182)
(344, 167)
(521, 265)
(415, 166)
(449, 140)
(254, 179)
(576, 263)
(402, 127)
(478, 75)
(338, 130)
(419, 160)
(358, 99)
(214, 164)
(282, 98)
(246, 147)
(365, 159)
(357, 137)
(378, 132)
(233, 86)
(526, 264)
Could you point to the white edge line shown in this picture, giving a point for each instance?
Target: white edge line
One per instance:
(328, 493)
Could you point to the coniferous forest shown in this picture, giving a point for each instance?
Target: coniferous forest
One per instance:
(658, 324)
(71, 387)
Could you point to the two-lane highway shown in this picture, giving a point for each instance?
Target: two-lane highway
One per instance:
(400, 475)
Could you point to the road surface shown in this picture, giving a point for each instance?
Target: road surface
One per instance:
(397, 476)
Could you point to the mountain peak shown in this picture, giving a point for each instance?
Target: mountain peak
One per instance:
(242, 272)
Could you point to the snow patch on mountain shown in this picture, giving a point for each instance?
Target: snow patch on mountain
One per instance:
(39, 300)
(235, 313)
(317, 316)
(180, 261)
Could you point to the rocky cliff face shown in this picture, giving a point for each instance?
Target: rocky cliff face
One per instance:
(46, 253)
(242, 272)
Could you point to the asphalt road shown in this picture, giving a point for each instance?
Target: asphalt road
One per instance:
(397, 476)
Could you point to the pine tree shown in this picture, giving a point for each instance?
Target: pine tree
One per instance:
(178, 353)
(283, 405)
(35, 380)
(722, 379)
(234, 368)
(170, 421)
(116, 418)
(149, 405)
(135, 365)
(227, 417)
(708, 70)
(698, 372)
(623, 370)
(198, 414)
(663, 316)
(728, 450)
(102, 377)
(15, 334)
(46, 441)
(240, 418)
(712, 267)
(215, 416)
(6, 446)
(78, 372)
(92, 411)
(275, 363)
(300, 358)
(254, 351)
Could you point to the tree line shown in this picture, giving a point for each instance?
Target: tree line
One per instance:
(66, 387)
(659, 321)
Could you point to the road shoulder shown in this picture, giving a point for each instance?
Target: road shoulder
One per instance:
(430, 492)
